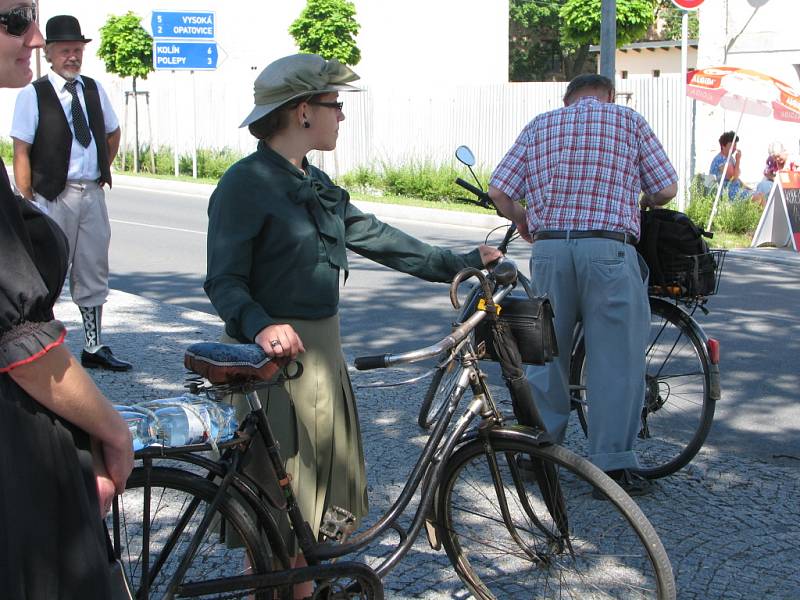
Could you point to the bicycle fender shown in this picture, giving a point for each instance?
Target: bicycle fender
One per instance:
(714, 388)
(532, 435)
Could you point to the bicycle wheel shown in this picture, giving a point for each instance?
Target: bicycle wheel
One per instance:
(678, 407)
(177, 503)
(439, 391)
(562, 542)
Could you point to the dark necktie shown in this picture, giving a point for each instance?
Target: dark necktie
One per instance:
(82, 133)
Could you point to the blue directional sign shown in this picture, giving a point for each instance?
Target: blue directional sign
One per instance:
(187, 56)
(198, 25)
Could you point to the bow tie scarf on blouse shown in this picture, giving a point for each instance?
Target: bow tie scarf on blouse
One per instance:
(321, 201)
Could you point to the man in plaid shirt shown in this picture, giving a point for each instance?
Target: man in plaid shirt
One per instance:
(580, 170)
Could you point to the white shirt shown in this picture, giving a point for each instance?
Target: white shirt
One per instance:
(82, 161)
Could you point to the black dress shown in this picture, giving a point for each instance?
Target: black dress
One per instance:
(52, 544)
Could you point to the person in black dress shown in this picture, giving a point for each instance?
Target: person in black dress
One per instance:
(64, 450)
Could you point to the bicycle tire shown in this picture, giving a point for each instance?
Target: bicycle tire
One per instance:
(679, 405)
(172, 494)
(439, 391)
(610, 549)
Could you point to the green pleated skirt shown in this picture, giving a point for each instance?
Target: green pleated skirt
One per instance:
(315, 420)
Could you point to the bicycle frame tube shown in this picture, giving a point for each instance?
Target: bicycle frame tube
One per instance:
(425, 472)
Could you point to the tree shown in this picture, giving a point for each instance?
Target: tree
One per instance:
(671, 16)
(550, 38)
(127, 50)
(581, 20)
(536, 51)
(328, 28)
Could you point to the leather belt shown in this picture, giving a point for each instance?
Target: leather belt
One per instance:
(618, 236)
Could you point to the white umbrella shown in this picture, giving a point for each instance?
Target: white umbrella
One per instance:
(742, 91)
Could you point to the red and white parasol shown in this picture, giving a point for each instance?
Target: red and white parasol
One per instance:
(746, 92)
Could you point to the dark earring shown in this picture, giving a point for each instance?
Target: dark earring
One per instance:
(306, 124)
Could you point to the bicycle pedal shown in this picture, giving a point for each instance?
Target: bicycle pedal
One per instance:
(337, 524)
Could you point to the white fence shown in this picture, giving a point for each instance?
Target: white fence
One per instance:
(396, 125)
(387, 124)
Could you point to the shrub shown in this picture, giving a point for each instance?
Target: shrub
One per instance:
(7, 151)
(415, 180)
(362, 177)
(738, 217)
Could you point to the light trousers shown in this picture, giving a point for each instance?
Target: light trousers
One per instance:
(604, 284)
(80, 211)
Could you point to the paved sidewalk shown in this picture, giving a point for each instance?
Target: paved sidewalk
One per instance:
(729, 523)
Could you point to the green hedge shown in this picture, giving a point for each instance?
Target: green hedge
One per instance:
(731, 217)
(415, 179)
(7, 151)
(211, 163)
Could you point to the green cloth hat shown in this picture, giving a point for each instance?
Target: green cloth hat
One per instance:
(295, 76)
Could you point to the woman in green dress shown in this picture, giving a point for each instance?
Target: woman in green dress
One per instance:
(277, 238)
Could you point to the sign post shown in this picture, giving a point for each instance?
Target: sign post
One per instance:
(185, 41)
(683, 168)
(780, 222)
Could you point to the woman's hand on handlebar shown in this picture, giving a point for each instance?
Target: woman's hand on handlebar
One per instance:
(280, 340)
(489, 255)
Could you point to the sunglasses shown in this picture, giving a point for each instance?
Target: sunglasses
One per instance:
(18, 20)
(336, 105)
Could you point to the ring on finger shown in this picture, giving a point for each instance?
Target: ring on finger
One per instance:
(274, 343)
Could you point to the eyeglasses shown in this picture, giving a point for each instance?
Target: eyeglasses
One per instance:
(18, 20)
(336, 105)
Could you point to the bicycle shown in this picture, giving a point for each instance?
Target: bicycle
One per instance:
(682, 379)
(506, 530)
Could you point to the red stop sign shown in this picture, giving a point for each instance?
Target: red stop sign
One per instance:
(687, 4)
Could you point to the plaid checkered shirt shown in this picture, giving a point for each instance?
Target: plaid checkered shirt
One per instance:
(581, 167)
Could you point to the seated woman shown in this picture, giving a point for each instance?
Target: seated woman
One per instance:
(737, 190)
(278, 234)
(776, 160)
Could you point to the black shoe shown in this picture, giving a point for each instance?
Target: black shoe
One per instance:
(633, 484)
(104, 359)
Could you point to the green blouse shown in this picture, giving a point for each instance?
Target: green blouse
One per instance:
(277, 238)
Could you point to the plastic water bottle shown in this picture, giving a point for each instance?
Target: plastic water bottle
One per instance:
(181, 425)
(222, 417)
(139, 424)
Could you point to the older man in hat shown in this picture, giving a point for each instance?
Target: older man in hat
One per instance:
(65, 136)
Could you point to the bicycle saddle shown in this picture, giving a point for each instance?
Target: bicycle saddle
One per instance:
(231, 363)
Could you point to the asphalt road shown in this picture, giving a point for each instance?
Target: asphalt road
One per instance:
(158, 251)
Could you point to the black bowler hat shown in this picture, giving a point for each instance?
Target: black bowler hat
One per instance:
(64, 28)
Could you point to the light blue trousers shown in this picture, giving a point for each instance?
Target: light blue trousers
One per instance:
(604, 284)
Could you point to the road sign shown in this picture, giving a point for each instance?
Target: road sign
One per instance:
(186, 56)
(198, 25)
(687, 4)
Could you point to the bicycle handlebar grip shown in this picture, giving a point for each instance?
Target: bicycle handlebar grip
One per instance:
(477, 191)
(366, 363)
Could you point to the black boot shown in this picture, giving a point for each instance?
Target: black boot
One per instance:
(95, 355)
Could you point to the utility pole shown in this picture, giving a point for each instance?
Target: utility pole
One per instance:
(608, 38)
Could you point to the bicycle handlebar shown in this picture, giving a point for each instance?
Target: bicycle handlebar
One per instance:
(484, 198)
(366, 363)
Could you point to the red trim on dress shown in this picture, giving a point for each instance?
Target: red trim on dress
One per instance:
(39, 354)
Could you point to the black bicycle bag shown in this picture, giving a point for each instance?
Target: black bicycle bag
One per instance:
(531, 323)
(678, 257)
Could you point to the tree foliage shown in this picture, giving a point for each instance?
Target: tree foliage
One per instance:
(125, 46)
(581, 20)
(328, 28)
(549, 39)
(536, 50)
(672, 17)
